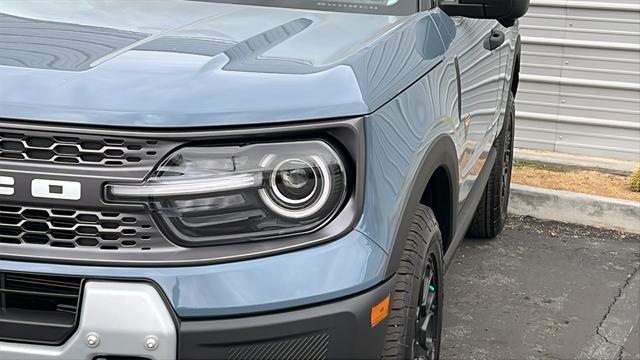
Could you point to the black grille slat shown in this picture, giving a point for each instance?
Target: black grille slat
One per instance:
(75, 229)
(86, 151)
(37, 293)
(39, 309)
(44, 282)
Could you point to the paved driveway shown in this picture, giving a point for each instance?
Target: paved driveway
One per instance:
(544, 290)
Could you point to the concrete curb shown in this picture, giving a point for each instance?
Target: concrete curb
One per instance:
(584, 209)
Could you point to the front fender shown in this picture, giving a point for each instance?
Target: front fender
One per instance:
(441, 154)
(407, 141)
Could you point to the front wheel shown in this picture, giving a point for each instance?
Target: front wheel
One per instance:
(415, 320)
(491, 213)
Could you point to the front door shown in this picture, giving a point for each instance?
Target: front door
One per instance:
(480, 88)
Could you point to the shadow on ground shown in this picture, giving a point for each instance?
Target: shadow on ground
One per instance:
(540, 290)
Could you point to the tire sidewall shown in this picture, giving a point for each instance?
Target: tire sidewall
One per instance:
(434, 248)
(507, 145)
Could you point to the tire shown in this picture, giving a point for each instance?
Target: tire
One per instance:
(491, 214)
(420, 266)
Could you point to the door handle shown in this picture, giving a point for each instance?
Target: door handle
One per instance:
(495, 39)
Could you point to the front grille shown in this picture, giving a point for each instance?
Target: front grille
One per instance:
(41, 224)
(39, 309)
(88, 229)
(74, 149)
(312, 347)
(75, 229)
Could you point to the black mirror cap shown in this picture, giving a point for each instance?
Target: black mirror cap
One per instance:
(505, 11)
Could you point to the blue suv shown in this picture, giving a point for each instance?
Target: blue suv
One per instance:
(245, 179)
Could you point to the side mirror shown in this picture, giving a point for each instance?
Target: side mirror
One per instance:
(505, 11)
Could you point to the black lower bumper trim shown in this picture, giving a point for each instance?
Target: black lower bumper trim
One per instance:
(337, 330)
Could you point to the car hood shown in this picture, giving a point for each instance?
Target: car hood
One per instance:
(190, 63)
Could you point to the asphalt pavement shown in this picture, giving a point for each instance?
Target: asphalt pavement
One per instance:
(544, 290)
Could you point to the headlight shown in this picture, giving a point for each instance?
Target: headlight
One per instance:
(204, 195)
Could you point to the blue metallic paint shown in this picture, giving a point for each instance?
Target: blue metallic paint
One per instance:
(236, 65)
(401, 134)
(219, 65)
(333, 270)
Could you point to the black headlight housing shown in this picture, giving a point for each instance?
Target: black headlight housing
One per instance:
(204, 195)
(342, 138)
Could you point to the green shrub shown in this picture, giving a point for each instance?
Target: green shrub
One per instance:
(634, 180)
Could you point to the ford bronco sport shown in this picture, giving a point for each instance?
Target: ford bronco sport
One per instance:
(246, 179)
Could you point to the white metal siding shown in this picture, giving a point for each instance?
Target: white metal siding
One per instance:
(580, 78)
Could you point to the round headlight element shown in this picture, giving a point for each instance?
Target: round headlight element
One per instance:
(313, 177)
(294, 182)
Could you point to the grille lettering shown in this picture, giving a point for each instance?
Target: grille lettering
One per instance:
(52, 189)
(6, 185)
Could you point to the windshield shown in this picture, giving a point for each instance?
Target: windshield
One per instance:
(385, 7)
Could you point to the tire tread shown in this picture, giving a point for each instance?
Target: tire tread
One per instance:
(422, 230)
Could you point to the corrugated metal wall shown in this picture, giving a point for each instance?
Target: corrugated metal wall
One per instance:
(580, 78)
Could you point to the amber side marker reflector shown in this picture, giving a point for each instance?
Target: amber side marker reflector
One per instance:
(380, 311)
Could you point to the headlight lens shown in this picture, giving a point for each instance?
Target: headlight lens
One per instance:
(204, 195)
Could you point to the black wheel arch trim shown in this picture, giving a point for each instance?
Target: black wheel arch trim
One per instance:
(515, 69)
(441, 154)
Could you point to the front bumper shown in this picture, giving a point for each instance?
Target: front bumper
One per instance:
(337, 330)
(317, 274)
(312, 303)
(123, 316)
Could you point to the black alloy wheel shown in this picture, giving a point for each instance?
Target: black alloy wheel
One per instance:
(425, 346)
